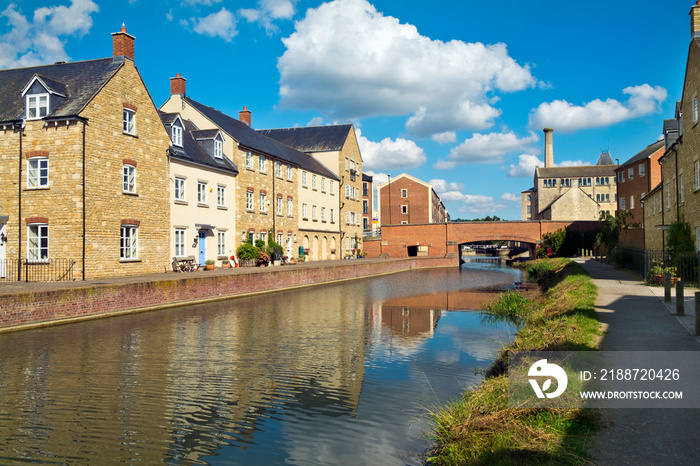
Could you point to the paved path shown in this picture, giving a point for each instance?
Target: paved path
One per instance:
(637, 319)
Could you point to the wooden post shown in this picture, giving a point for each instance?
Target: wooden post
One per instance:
(667, 287)
(680, 300)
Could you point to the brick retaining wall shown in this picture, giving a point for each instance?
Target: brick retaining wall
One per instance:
(30, 309)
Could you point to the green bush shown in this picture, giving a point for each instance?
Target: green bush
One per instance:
(247, 251)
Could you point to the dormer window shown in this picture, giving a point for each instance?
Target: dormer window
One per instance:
(37, 106)
(177, 135)
(218, 148)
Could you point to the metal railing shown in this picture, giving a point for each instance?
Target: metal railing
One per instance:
(648, 263)
(372, 232)
(52, 270)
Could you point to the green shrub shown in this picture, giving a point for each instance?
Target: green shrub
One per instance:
(247, 251)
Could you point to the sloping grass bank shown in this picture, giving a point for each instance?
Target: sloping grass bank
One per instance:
(479, 428)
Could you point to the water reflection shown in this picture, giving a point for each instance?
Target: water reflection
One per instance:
(328, 375)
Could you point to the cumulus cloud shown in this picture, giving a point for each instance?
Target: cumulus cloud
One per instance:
(200, 2)
(447, 137)
(39, 41)
(389, 153)
(269, 11)
(486, 148)
(525, 167)
(510, 197)
(466, 203)
(221, 24)
(349, 61)
(564, 116)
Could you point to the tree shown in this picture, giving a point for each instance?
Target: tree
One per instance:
(680, 238)
(609, 233)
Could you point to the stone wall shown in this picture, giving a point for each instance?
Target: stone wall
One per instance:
(37, 308)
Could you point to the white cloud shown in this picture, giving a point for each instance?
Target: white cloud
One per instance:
(441, 186)
(389, 153)
(525, 167)
(487, 148)
(566, 117)
(510, 197)
(316, 121)
(200, 2)
(377, 177)
(268, 11)
(39, 42)
(447, 137)
(221, 24)
(349, 61)
(466, 203)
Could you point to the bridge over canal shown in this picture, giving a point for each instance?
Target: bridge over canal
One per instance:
(446, 239)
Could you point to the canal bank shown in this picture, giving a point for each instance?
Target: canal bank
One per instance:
(30, 305)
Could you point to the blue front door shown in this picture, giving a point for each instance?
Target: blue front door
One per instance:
(202, 246)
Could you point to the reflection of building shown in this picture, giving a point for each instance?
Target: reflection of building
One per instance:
(408, 200)
(571, 193)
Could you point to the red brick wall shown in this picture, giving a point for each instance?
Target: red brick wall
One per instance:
(417, 200)
(20, 310)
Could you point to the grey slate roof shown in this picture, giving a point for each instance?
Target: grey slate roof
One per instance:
(250, 139)
(605, 159)
(79, 81)
(576, 171)
(311, 138)
(366, 177)
(191, 151)
(645, 153)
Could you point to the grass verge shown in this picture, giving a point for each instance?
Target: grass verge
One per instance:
(479, 427)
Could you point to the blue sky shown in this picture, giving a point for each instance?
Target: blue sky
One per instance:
(455, 93)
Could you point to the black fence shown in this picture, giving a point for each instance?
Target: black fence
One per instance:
(52, 270)
(651, 264)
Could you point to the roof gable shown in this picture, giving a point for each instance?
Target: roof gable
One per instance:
(311, 138)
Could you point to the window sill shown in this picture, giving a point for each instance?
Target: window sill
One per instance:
(262, 212)
(290, 181)
(36, 188)
(178, 202)
(130, 135)
(221, 207)
(206, 206)
(305, 219)
(314, 220)
(128, 261)
(127, 193)
(38, 262)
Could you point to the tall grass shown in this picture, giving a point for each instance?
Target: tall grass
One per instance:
(479, 427)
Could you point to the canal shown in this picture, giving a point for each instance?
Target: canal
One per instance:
(337, 374)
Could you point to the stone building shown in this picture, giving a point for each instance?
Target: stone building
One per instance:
(571, 193)
(83, 170)
(367, 202)
(653, 219)
(635, 178)
(202, 184)
(680, 164)
(278, 189)
(409, 201)
(335, 147)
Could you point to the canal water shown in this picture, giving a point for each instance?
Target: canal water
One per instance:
(339, 374)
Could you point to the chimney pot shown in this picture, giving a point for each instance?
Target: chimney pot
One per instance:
(245, 116)
(178, 85)
(548, 148)
(695, 21)
(123, 43)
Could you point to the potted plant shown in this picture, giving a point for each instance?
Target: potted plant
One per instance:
(263, 259)
(225, 264)
(658, 273)
(209, 264)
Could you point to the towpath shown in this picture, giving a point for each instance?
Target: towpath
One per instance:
(636, 318)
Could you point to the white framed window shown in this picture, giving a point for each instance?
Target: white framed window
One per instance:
(697, 238)
(695, 110)
(129, 121)
(263, 236)
(289, 207)
(332, 216)
(365, 206)
(681, 191)
(323, 184)
(404, 193)
(332, 186)
(261, 164)
(668, 195)
(313, 212)
(623, 204)
(303, 211)
(622, 176)
(289, 173)
(177, 135)
(218, 149)
(179, 189)
(278, 170)
(313, 181)
(642, 169)
(279, 205)
(404, 209)
(201, 192)
(347, 190)
(631, 202)
(249, 160)
(221, 196)
(129, 178)
(38, 172)
(696, 184)
(262, 202)
(179, 242)
(630, 173)
(128, 246)
(323, 214)
(221, 243)
(279, 238)
(37, 106)
(38, 242)
(249, 200)
(529, 209)
(303, 178)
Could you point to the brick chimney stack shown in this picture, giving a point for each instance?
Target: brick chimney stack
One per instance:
(695, 21)
(548, 148)
(244, 116)
(123, 43)
(177, 85)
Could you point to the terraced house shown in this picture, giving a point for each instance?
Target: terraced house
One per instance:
(272, 183)
(83, 170)
(335, 146)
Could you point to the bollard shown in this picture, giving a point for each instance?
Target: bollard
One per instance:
(697, 313)
(680, 300)
(667, 287)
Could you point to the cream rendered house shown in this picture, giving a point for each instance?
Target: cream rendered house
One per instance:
(319, 224)
(202, 188)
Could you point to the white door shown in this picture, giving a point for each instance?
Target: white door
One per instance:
(3, 241)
